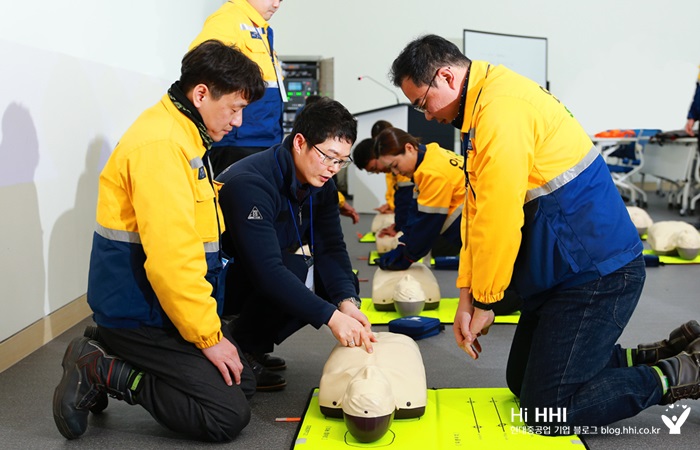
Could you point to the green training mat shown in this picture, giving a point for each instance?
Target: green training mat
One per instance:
(445, 312)
(368, 237)
(667, 259)
(453, 419)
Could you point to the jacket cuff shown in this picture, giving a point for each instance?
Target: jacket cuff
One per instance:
(484, 306)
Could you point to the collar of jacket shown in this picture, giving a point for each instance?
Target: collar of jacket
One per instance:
(477, 79)
(421, 154)
(291, 183)
(251, 12)
(186, 124)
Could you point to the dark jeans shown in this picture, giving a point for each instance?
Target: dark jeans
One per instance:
(182, 389)
(222, 157)
(564, 353)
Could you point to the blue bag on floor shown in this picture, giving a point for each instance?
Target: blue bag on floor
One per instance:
(416, 327)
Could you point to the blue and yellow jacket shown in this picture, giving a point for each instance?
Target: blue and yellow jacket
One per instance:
(439, 193)
(237, 22)
(399, 196)
(541, 207)
(155, 253)
(268, 211)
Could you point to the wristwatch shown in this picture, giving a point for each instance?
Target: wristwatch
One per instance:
(355, 301)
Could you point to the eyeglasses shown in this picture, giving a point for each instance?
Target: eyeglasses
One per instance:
(420, 106)
(329, 161)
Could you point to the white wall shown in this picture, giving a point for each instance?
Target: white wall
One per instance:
(76, 74)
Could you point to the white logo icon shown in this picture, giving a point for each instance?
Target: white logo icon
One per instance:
(255, 214)
(674, 424)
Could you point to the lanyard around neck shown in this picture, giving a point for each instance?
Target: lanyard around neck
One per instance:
(291, 211)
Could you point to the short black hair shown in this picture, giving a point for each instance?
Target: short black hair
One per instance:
(223, 69)
(312, 99)
(325, 119)
(363, 153)
(379, 126)
(421, 58)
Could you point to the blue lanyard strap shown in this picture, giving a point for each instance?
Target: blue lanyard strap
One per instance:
(291, 211)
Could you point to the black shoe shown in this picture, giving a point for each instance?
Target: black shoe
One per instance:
(265, 379)
(76, 392)
(683, 374)
(102, 400)
(270, 362)
(87, 372)
(677, 341)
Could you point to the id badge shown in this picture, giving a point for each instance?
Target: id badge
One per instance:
(310, 274)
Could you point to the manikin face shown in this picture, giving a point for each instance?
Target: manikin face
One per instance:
(308, 159)
(220, 115)
(401, 164)
(439, 101)
(266, 8)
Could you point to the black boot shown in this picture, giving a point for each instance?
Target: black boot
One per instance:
(265, 379)
(87, 372)
(102, 400)
(683, 374)
(677, 341)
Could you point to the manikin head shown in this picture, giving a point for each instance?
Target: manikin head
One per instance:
(368, 405)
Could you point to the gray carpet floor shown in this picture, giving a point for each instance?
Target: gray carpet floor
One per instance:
(670, 298)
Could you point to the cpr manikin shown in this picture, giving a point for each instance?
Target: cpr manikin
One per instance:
(381, 221)
(387, 243)
(384, 243)
(669, 237)
(640, 218)
(409, 297)
(370, 390)
(385, 281)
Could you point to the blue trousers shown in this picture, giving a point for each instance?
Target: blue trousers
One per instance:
(564, 354)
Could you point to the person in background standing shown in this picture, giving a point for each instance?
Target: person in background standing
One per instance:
(694, 111)
(244, 24)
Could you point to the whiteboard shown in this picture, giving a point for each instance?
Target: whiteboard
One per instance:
(526, 55)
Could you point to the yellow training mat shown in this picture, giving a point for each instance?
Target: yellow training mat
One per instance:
(453, 419)
(666, 259)
(375, 255)
(445, 312)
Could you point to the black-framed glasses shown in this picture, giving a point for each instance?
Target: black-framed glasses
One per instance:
(329, 161)
(420, 106)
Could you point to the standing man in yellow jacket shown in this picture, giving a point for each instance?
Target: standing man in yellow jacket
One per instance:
(155, 284)
(244, 24)
(543, 216)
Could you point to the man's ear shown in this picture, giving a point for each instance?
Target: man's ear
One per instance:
(298, 142)
(199, 95)
(449, 76)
